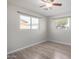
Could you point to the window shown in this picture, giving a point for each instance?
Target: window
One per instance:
(27, 22)
(63, 23)
(24, 22)
(34, 23)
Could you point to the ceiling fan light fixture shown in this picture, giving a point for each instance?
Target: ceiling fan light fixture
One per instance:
(48, 5)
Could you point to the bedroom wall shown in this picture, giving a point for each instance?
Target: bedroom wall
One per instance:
(22, 38)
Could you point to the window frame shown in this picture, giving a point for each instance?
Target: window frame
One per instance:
(34, 24)
(68, 21)
(31, 25)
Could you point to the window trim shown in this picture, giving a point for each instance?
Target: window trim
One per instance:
(31, 23)
(64, 25)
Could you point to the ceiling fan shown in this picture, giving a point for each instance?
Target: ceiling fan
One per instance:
(49, 4)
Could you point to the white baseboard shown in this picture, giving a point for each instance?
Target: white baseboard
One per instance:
(26, 47)
(61, 42)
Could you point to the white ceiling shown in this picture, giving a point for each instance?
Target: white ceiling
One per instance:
(34, 6)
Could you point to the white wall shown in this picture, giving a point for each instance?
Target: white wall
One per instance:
(21, 38)
(58, 35)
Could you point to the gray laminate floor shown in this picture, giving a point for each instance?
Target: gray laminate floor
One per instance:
(46, 50)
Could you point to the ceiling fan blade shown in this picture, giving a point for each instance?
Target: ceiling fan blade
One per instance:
(42, 5)
(47, 1)
(57, 4)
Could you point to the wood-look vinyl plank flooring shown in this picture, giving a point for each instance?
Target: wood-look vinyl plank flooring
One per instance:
(46, 50)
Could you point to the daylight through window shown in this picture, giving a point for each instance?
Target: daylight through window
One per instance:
(27, 22)
(63, 23)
